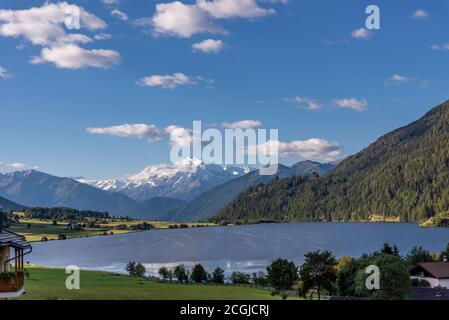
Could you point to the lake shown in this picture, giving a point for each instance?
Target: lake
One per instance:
(241, 248)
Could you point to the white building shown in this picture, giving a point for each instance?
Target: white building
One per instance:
(435, 273)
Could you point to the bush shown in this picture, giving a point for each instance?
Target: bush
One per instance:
(62, 236)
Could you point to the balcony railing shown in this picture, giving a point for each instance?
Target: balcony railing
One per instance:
(11, 283)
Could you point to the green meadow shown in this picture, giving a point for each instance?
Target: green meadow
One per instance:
(49, 284)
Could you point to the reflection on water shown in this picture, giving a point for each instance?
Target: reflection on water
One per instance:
(242, 248)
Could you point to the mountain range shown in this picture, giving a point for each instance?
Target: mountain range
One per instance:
(37, 189)
(184, 180)
(405, 174)
(207, 204)
(5, 204)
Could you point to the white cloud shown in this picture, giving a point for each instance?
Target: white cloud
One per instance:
(444, 46)
(182, 20)
(226, 9)
(120, 14)
(111, 2)
(398, 79)
(361, 34)
(420, 15)
(140, 130)
(167, 81)
(4, 74)
(309, 103)
(102, 36)
(208, 46)
(71, 56)
(179, 136)
(44, 25)
(244, 124)
(352, 103)
(314, 148)
(13, 166)
(172, 81)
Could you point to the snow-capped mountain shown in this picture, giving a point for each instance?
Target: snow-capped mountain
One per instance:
(184, 180)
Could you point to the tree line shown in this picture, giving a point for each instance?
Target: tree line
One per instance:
(321, 274)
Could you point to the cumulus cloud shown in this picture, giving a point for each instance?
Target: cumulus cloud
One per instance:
(71, 56)
(226, 9)
(184, 20)
(352, 103)
(420, 15)
(4, 74)
(179, 136)
(45, 26)
(314, 148)
(361, 34)
(208, 46)
(140, 130)
(172, 81)
(244, 124)
(120, 15)
(309, 103)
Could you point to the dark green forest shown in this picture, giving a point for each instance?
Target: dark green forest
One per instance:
(404, 173)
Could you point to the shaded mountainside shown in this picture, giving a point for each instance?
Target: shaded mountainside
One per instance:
(206, 205)
(404, 173)
(38, 189)
(5, 204)
(153, 209)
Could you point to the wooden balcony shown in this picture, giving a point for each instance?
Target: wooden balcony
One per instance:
(12, 284)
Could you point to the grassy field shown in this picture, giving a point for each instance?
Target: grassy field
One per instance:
(37, 229)
(49, 284)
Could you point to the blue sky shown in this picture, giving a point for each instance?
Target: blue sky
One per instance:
(276, 61)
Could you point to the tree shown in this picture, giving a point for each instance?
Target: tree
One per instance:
(199, 274)
(418, 255)
(387, 249)
(282, 275)
(180, 273)
(346, 285)
(240, 278)
(218, 276)
(166, 274)
(135, 269)
(395, 283)
(318, 272)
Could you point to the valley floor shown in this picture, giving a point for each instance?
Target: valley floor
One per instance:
(49, 284)
(39, 229)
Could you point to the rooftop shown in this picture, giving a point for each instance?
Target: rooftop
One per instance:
(439, 270)
(12, 239)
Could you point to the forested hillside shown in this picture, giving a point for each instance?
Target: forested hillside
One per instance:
(404, 173)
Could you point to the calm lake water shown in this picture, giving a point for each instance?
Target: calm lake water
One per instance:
(241, 248)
